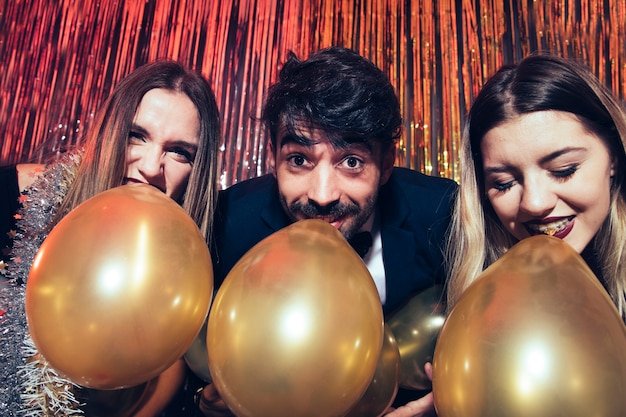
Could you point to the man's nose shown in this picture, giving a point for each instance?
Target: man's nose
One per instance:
(324, 186)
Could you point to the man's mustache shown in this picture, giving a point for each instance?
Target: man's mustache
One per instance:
(336, 209)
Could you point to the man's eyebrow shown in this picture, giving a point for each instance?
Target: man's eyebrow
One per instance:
(349, 143)
(291, 138)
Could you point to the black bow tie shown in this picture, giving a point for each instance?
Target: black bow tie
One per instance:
(361, 242)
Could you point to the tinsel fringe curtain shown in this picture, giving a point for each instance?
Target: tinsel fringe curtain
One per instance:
(60, 59)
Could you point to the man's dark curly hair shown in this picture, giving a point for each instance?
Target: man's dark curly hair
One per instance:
(338, 91)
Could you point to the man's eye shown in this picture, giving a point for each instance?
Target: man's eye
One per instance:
(353, 162)
(297, 160)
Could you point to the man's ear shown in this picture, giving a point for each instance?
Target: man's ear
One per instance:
(388, 160)
(272, 161)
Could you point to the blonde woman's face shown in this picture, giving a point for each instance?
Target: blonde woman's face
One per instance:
(546, 174)
(163, 142)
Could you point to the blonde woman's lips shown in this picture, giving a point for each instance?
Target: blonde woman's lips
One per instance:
(560, 227)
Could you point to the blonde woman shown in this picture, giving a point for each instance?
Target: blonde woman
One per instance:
(542, 153)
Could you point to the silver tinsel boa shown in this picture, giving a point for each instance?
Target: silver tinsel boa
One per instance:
(30, 387)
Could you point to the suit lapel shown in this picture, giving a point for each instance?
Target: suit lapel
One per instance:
(272, 212)
(398, 244)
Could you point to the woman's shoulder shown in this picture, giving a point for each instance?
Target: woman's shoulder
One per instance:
(60, 170)
(27, 174)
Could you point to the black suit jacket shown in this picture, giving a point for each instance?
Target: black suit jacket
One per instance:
(415, 213)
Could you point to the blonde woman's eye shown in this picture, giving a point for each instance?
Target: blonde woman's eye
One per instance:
(565, 173)
(502, 186)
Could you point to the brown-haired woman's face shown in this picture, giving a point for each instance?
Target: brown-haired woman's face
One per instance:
(163, 142)
(545, 173)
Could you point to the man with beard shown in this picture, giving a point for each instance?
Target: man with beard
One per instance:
(333, 120)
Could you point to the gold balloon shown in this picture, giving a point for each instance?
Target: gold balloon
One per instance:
(416, 326)
(296, 328)
(119, 289)
(196, 356)
(384, 385)
(535, 335)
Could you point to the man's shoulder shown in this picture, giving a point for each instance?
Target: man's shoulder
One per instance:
(418, 195)
(247, 212)
(246, 201)
(249, 189)
(410, 179)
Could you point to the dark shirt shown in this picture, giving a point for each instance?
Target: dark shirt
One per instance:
(9, 204)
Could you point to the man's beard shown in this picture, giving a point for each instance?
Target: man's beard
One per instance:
(355, 215)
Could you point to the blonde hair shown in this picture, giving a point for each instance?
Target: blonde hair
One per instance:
(537, 83)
